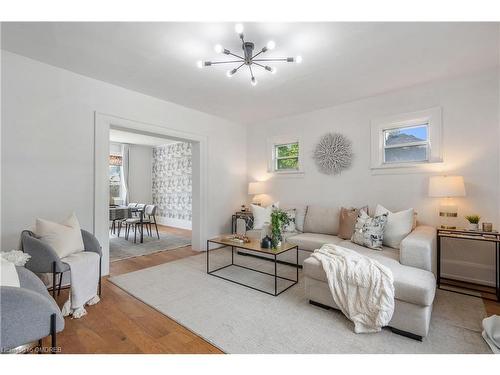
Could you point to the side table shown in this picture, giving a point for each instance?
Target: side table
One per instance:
(462, 234)
(246, 215)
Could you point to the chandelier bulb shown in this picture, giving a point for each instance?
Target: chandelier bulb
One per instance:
(199, 64)
(271, 45)
(229, 73)
(254, 81)
(238, 28)
(218, 48)
(273, 70)
(298, 59)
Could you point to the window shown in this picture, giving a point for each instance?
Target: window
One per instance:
(115, 166)
(405, 145)
(286, 157)
(408, 140)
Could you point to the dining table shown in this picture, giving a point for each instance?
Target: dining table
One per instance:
(125, 212)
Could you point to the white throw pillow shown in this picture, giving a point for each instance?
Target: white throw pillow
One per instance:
(65, 238)
(262, 215)
(399, 225)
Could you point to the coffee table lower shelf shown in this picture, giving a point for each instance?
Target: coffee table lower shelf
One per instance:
(232, 264)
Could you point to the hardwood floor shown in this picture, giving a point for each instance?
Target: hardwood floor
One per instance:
(122, 324)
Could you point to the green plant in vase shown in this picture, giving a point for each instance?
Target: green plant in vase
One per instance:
(279, 219)
(473, 221)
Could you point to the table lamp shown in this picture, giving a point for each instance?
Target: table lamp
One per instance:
(256, 188)
(447, 187)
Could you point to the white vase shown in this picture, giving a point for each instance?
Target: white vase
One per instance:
(473, 226)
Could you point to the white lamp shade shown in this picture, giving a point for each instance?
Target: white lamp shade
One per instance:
(446, 186)
(255, 188)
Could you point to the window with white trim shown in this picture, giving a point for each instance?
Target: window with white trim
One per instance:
(285, 155)
(407, 140)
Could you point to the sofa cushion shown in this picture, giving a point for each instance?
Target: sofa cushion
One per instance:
(323, 220)
(312, 241)
(411, 284)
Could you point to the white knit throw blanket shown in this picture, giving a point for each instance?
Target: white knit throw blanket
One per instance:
(361, 287)
(84, 267)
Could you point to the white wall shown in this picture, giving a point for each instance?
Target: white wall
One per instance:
(140, 174)
(48, 139)
(470, 141)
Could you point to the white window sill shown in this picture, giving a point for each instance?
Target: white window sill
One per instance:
(405, 168)
(291, 174)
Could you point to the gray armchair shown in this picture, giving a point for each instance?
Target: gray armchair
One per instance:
(28, 313)
(44, 259)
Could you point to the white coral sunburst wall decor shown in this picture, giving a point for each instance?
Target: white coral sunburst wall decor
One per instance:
(333, 153)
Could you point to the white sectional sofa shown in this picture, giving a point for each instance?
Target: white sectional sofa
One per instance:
(413, 266)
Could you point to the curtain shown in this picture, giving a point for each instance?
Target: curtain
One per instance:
(124, 196)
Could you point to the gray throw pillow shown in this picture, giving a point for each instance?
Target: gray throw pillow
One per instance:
(369, 231)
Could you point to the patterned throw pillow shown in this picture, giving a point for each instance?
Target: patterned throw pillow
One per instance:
(369, 231)
(291, 213)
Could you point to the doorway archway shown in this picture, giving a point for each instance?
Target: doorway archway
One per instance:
(102, 124)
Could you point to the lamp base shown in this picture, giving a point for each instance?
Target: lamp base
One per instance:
(448, 227)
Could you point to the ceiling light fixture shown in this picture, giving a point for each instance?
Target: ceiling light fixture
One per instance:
(249, 58)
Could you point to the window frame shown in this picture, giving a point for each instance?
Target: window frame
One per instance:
(273, 144)
(430, 117)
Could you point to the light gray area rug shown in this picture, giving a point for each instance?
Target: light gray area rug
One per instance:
(240, 320)
(120, 248)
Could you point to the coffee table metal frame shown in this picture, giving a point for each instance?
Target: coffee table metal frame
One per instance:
(270, 252)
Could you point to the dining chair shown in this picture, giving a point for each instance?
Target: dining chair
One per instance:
(150, 212)
(135, 221)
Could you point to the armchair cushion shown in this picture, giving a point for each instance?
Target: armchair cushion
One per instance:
(65, 238)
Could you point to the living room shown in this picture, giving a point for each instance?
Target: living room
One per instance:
(250, 187)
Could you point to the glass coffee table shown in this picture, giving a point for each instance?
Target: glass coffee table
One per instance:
(254, 245)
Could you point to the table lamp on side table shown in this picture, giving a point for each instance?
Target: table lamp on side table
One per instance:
(256, 188)
(447, 187)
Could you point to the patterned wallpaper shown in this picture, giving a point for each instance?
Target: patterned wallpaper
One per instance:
(172, 180)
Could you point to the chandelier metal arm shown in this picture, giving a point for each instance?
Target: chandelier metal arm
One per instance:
(262, 66)
(283, 59)
(258, 53)
(239, 67)
(232, 54)
(224, 62)
(251, 71)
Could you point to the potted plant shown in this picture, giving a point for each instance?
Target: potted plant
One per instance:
(473, 221)
(279, 219)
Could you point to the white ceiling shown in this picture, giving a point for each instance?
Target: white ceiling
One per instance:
(120, 136)
(342, 61)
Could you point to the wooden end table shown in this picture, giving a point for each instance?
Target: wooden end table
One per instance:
(254, 245)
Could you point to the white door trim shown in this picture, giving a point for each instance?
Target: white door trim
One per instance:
(102, 123)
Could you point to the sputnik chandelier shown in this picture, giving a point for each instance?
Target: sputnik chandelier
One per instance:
(248, 59)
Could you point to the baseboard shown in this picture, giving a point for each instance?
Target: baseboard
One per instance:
(176, 223)
(476, 273)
